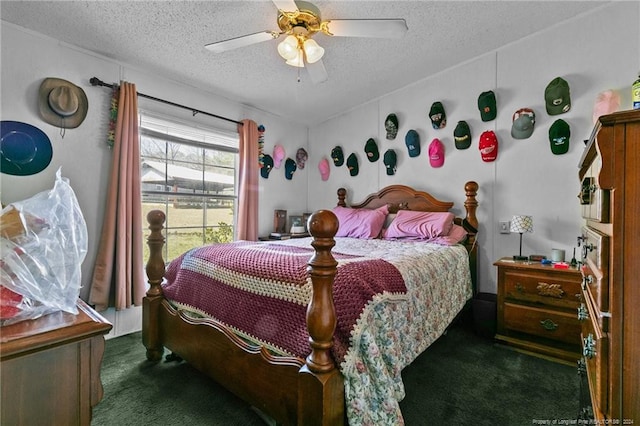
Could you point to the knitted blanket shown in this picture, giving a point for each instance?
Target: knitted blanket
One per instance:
(261, 291)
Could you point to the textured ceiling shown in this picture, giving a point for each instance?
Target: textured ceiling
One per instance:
(168, 37)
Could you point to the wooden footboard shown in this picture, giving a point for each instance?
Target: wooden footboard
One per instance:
(290, 390)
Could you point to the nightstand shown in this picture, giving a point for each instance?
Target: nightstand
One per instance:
(537, 307)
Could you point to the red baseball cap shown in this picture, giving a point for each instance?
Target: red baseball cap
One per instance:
(488, 146)
(436, 153)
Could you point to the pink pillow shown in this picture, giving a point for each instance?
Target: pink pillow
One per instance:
(419, 225)
(455, 236)
(360, 223)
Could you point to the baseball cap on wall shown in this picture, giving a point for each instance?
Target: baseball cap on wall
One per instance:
(606, 103)
(438, 116)
(352, 164)
(488, 146)
(436, 153)
(323, 167)
(267, 165)
(289, 168)
(522, 123)
(412, 140)
(371, 149)
(391, 126)
(559, 134)
(557, 96)
(462, 135)
(337, 156)
(487, 105)
(278, 156)
(301, 158)
(390, 161)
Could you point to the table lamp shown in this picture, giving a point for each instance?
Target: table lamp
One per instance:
(521, 224)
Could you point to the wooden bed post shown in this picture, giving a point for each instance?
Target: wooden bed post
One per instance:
(155, 274)
(471, 226)
(321, 383)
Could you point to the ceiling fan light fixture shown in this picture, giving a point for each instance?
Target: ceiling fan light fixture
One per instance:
(298, 61)
(312, 51)
(288, 48)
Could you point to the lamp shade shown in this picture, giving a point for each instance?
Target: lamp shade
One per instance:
(312, 51)
(288, 48)
(297, 61)
(521, 224)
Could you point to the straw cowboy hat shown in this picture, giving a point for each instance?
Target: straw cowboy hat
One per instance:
(62, 103)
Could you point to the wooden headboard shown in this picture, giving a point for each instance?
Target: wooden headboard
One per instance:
(401, 197)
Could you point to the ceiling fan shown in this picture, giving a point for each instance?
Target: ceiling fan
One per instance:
(299, 21)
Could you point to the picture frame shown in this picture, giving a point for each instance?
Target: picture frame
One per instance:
(279, 221)
(305, 219)
(296, 225)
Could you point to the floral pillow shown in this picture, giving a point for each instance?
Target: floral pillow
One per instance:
(360, 223)
(419, 225)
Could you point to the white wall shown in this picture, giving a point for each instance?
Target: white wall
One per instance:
(28, 58)
(593, 52)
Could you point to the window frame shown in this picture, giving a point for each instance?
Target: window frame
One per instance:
(206, 140)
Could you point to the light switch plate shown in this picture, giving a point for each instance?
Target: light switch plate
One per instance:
(504, 228)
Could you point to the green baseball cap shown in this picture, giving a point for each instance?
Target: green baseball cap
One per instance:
(559, 134)
(371, 149)
(352, 164)
(462, 135)
(487, 105)
(557, 96)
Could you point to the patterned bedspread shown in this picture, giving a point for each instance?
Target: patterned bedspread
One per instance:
(393, 299)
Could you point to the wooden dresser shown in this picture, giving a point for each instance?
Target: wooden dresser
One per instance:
(50, 368)
(537, 308)
(609, 172)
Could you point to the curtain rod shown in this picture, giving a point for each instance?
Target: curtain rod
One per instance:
(95, 81)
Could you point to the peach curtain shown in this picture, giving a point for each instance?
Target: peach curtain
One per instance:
(118, 276)
(247, 223)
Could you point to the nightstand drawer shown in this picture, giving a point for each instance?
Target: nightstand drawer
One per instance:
(549, 324)
(542, 288)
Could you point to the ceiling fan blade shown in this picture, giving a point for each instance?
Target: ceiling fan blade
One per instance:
(381, 28)
(317, 72)
(242, 41)
(286, 5)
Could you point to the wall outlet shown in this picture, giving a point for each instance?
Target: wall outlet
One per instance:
(505, 228)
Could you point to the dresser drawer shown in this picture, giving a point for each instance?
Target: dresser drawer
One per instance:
(549, 324)
(595, 346)
(595, 249)
(557, 290)
(596, 293)
(594, 201)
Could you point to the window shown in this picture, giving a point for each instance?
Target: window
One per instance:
(188, 172)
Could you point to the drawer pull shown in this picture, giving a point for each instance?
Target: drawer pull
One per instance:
(582, 367)
(586, 280)
(589, 346)
(548, 325)
(519, 288)
(583, 314)
(587, 248)
(550, 290)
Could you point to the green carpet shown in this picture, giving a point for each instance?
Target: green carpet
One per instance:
(462, 379)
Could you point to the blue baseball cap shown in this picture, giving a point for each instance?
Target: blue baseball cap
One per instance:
(412, 140)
